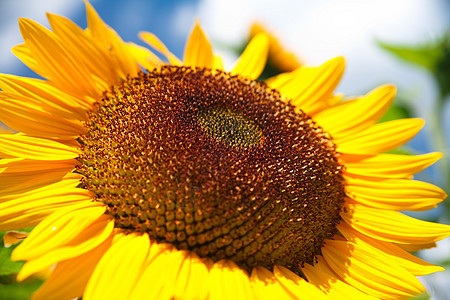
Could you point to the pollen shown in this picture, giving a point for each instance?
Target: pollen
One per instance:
(216, 164)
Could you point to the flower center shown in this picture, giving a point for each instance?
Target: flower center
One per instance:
(230, 127)
(213, 163)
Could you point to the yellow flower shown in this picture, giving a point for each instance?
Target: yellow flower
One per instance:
(279, 59)
(189, 182)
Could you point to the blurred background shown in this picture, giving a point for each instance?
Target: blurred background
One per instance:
(404, 42)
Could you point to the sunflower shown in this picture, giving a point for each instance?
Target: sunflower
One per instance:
(148, 179)
(279, 60)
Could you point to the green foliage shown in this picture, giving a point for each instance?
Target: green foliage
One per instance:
(426, 55)
(19, 290)
(396, 111)
(7, 267)
(423, 296)
(9, 287)
(434, 56)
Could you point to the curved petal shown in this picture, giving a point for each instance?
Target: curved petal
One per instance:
(69, 278)
(147, 59)
(359, 115)
(297, 285)
(23, 53)
(55, 62)
(117, 52)
(83, 51)
(198, 52)
(192, 279)
(119, 269)
(392, 226)
(406, 260)
(227, 281)
(253, 59)
(394, 194)
(218, 63)
(159, 276)
(309, 88)
(416, 247)
(13, 237)
(36, 119)
(325, 279)
(52, 98)
(31, 208)
(153, 41)
(35, 148)
(380, 137)
(20, 176)
(389, 165)
(361, 267)
(63, 235)
(266, 286)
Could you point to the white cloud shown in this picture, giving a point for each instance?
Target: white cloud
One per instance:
(320, 30)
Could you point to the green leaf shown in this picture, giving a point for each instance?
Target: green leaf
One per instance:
(7, 266)
(396, 111)
(19, 290)
(426, 55)
(9, 287)
(434, 56)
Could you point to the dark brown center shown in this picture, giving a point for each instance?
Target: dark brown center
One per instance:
(213, 163)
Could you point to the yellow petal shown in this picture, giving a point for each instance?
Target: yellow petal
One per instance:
(23, 175)
(266, 286)
(380, 137)
(35, 148)
(363, 268)
(55, 62)
(156, 44)
(43, 92)
(13, 237)
(96, 27)
(192, 279)
(358, 115)
(297, 285)
(227, 281)
(309, 88)
(24, 54)
(394, 194)
(35, 205)
(218, 63)
(63, 188)
(392, 226)
(69, 278)
(58, 229)
(122, 61)
(390, 165)
(198, 52)
(416, 247)
(63, 235)
(119, 269)
(86, 53)
(409, 262)
(253, 59)
(36, 119)
(325, 279)
(147, 59)
(159, 276)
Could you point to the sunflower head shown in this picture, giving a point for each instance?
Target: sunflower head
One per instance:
(213, 163)
(178, 179)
